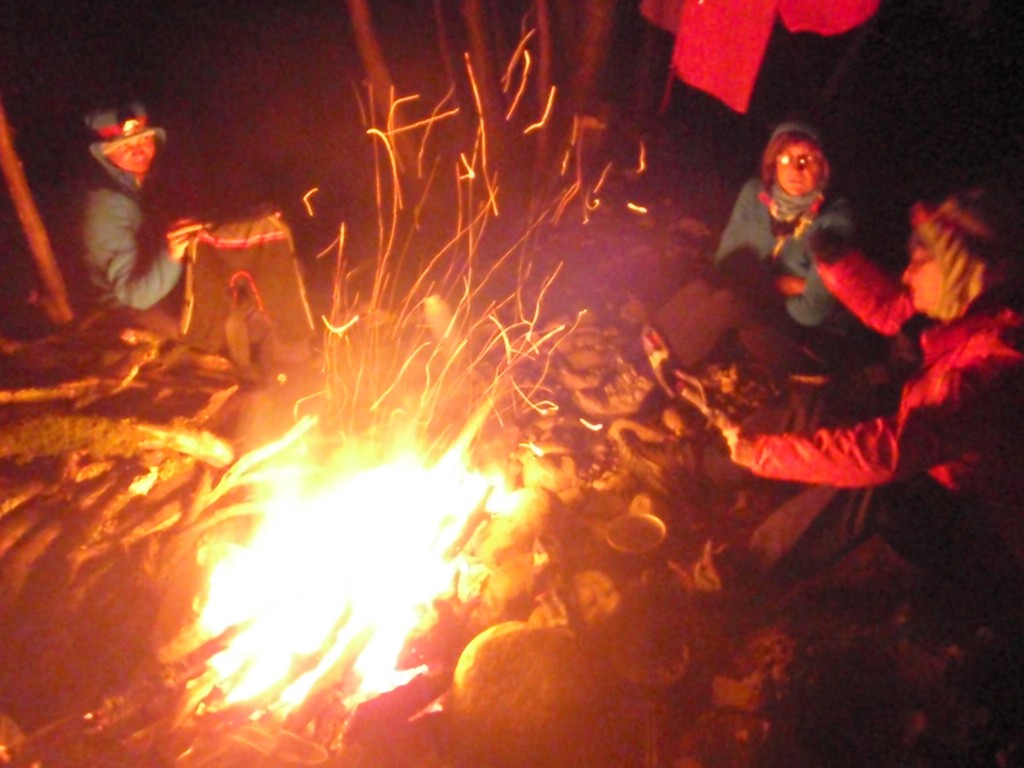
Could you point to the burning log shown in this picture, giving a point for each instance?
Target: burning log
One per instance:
(474, 521)
(240, 471)
(328, 684)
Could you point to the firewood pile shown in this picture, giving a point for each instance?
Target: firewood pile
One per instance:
(112, 444)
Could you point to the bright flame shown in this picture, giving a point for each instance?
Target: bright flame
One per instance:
(363, 558)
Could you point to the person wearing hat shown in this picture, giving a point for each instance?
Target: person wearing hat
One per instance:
(940, 477)
(243, 286)
(778, 215)
(130, 260)
(765, 285)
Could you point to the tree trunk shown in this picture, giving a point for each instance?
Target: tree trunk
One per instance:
(596, 24)
(444, 45)
(543, 159)
(381, 86)
(54, 299)
(377, 73)
(482, 59)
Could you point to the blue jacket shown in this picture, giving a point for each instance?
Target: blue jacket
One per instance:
(749, 231)
(126, 266)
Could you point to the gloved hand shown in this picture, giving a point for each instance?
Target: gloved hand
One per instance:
(179, 236)
(741, 450)
(827, 247)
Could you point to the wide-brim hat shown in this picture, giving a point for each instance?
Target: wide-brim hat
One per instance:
(111, 126)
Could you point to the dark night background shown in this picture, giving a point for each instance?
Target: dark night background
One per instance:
(259, 102)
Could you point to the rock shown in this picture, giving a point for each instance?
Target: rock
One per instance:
(524, 697)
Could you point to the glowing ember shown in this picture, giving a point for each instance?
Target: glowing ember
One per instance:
(359, 561)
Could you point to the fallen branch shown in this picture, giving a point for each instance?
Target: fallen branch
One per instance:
(236, 474)
(67, 390)
(103, 437)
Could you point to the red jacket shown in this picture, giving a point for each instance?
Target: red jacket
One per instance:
(959, 418)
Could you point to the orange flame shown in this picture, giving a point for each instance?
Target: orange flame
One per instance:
(364, 555)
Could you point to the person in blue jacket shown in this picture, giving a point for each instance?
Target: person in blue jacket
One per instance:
(779, 215)
(130, 259)
(765, 285)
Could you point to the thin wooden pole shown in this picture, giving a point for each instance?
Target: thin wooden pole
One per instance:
(55, 298)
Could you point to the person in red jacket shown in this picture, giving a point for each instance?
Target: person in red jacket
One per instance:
(940, 479)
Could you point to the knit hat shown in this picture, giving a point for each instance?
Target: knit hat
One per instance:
(795, 126)
(111, 126)
(959, 233)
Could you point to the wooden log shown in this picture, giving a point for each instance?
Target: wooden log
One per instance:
(55, 299)
(66, 390)
(103, 437)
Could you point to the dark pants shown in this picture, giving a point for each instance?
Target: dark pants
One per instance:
(695, 320)
(923, 523)
(702, 314)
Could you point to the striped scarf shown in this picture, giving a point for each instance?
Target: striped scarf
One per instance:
(791, 215)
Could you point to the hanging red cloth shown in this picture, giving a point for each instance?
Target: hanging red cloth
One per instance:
(721, 43)
(831, 18)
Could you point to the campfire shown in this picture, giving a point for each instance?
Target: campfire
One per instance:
(350, 557)
(346, 571)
